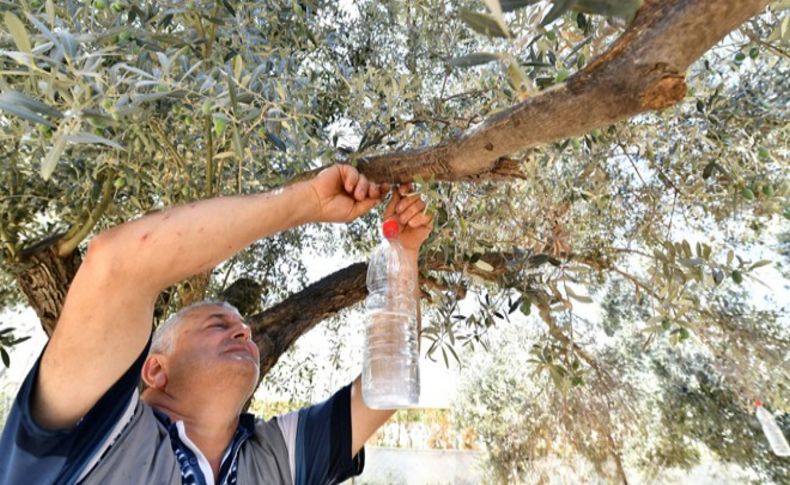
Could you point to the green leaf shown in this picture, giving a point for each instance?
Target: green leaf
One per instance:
(482, 23)
(610, 8)
(559, 8)
(6, 358)
(516, 76)
(692, 262)
(510, 5)
(761, 263)
(581, 298)
(43, 29)
(18, 32)
(24, 113)
(514, 306)
(20, 340)
(473, 59)
(538, 259)
(31, 104)
(496, 12)
(52, 158)
(276, 141)
(91, 139)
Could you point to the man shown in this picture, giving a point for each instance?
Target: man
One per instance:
(78, 416)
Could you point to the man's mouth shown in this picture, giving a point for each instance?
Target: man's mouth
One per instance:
(242, 350)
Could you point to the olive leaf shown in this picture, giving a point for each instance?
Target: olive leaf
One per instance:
(473, 59)
(90, 138)
(609, 8)
(18, 32)
(482, 24)
(559, 8)
(511, 5)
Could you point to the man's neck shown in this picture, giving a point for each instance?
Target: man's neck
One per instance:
(208, 424)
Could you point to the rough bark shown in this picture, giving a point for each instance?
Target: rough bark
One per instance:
(46, 279)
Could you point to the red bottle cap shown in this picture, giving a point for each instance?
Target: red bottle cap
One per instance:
(758, 404)
(391, 228)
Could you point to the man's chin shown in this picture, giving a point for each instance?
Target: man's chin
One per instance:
(242, 365)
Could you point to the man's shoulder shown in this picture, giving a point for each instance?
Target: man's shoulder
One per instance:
(141, 448)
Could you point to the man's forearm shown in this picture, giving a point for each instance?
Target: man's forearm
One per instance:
(161, 249)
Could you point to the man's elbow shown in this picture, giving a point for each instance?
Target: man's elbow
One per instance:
(102, 256)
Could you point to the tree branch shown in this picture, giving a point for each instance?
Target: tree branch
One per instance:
(67, 246)
(643, 70)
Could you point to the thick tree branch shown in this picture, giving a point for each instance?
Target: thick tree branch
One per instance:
(643, 70)
(275, 329)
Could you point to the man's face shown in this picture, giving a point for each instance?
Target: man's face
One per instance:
(214, 344)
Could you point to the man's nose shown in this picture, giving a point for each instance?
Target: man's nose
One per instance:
(243, 332)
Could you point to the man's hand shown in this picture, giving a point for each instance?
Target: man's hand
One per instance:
(342, 194)
(409, 211)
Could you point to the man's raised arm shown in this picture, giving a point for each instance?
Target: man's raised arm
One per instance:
(107, 316)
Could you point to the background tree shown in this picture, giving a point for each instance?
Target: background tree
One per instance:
(531, 126)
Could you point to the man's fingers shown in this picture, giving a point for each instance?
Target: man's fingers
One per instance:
(408, 202)
(364, 206)
(412, 210)
(361, 192)
(374, 192)
(421, 219)
(350, 177)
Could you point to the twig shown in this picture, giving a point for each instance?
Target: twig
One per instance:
(633, 164)
(68, 246)
(757, 40)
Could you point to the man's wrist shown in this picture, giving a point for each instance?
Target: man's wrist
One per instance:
(307, 207)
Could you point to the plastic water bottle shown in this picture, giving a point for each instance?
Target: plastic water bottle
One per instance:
(772, 431)
(390, 369)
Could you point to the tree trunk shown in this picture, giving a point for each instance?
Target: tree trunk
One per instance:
(46, 279)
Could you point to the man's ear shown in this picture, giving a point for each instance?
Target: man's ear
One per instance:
(154, 374)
